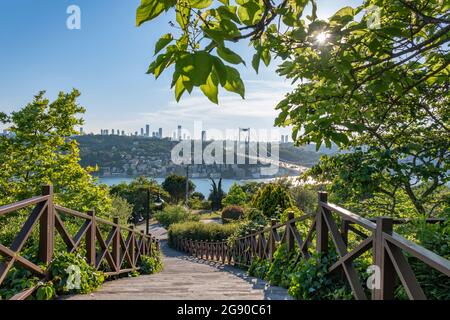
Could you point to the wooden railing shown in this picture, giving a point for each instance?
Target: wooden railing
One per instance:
(116, 253)
(335, 223)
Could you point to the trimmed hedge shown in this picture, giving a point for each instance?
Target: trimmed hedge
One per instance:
(200, 231)
(231, 213)
(175, 214)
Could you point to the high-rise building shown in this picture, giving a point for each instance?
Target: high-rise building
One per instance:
(112, 132)
(153, 134)
(106, 132)
(160, 133)
(81, 131)
(179, 132)
(147, 130)
(203, 135)
(123, 132)
(142, 131)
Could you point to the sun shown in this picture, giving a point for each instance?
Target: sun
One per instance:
(322, 37)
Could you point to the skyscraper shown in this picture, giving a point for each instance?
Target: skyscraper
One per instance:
(160, 133)
(179, 132)
(147, 130)
(142, 131)
(112, 132)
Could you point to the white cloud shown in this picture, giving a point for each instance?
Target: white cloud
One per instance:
(256, 111)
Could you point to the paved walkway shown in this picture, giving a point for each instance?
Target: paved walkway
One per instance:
(187, 278)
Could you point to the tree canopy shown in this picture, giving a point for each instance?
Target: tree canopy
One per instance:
(372, 79)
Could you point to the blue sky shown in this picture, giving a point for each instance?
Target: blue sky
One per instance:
(107, 59)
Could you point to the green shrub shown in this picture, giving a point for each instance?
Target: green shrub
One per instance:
(151, 264)
(285, 214)
(310, 280)
(434, 237)
(200, 231)
(70, 273)
(236, 196)
(174, 214)
(272, 200)
(16, 281)
(232, 213)
(256, 215)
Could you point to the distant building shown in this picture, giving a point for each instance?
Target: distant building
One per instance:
(147, 130)
(179, 132)
(112, 132)
(160, 133)
(203, 135)
(123, 132)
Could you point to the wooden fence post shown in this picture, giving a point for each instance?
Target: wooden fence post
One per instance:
(272, 244)
(290, 242)
(90, 240)
(47, 227)
(133, 247)
(321, 226)
(116, 244)
(383, 262)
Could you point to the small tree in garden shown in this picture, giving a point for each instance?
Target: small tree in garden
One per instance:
(272, 200)
(136, 194)
(235, 196)
(175, 185)
(216, 195)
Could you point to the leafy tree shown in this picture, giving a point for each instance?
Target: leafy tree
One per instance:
(121, 209)
(175, 185)
(136, 194)
(198, 195)
(217, 194)
(272, 200)
(39, 151)
(373, 76)
(235, 196)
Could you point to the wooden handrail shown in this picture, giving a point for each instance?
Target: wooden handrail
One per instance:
(46, 214)
(22, 204)
(387, 247)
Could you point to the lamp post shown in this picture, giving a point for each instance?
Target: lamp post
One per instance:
(158, 203)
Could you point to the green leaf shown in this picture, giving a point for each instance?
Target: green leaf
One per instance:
(200, 4)
(229, 56)
(265, 56)
(162, 42)
(255, 61)
(249, 13)
(150, 9)
(183, 14)
(343, 16)
(179, 88)
(210, 88)
(221, 71)
(234, 82)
